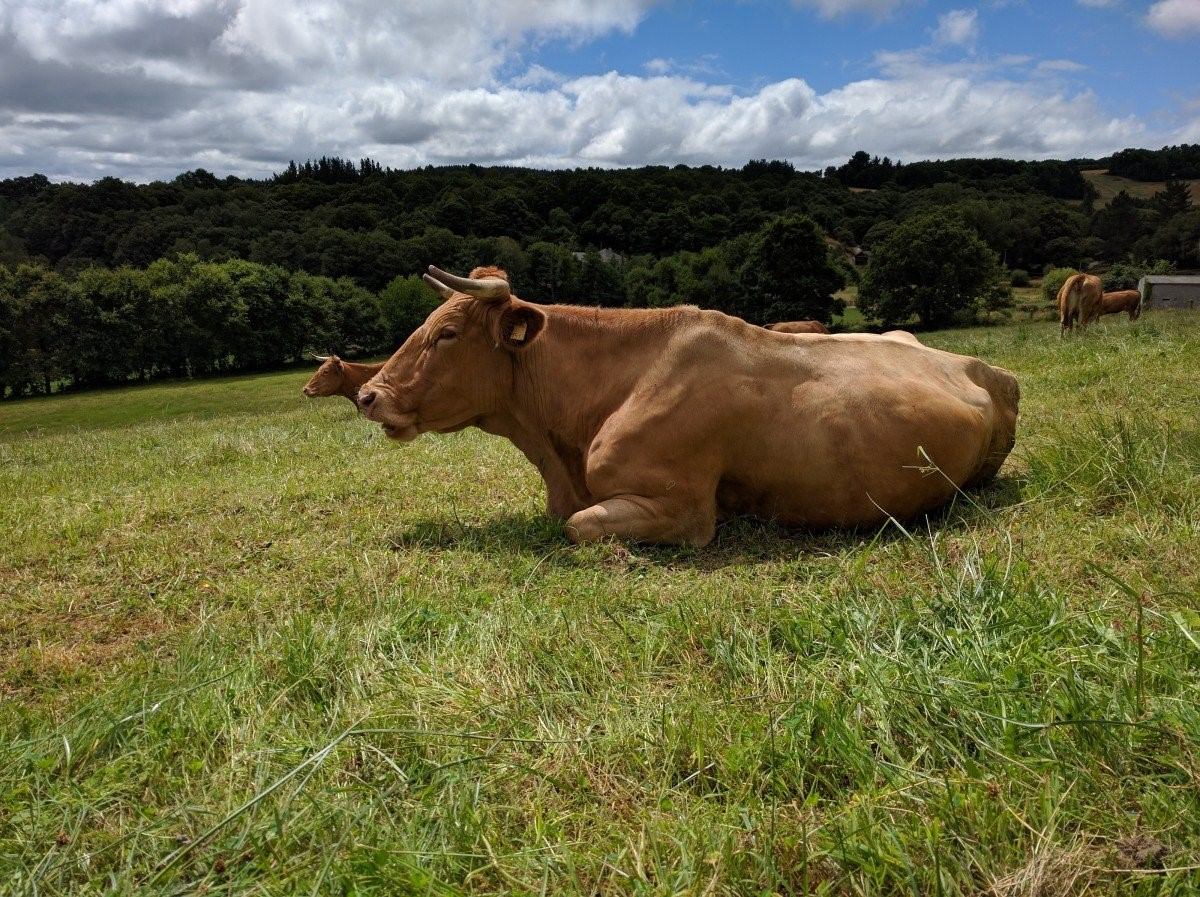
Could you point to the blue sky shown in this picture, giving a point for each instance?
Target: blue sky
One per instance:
(146, 88)
(1131, 68)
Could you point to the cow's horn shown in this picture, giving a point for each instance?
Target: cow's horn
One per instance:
(442, 290)
(320, 357)
(487, 288)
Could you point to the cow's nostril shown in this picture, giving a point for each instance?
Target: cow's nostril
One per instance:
(367, 398)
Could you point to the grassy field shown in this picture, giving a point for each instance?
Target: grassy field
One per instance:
(248, 646)
(1109, 185)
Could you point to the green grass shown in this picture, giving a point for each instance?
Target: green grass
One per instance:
(248, 646)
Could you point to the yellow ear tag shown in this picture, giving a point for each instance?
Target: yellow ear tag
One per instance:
(518, 331)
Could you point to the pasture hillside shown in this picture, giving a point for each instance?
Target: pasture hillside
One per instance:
(248, 646)
(1109, 185)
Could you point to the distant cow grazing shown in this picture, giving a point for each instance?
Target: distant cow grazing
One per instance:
(1078, 301)
(1122, 300)
(650, 424)
(798, 327)
(339, 378)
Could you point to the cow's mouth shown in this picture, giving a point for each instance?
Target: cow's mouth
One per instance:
(401, 432)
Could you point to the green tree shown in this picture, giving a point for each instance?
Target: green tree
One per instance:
(1125, 275)
(405, 302)
(788, 274)
(1178, 240)
(42, 340)
(1120, 224)
(932, 267)
(553, 274)
(1174, 199)
(8, 321)
(600, 283)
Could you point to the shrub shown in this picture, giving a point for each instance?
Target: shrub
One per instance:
(1018, 277)
(1053, 282)
(1125, 275)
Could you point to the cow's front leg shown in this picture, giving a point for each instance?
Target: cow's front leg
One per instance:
(642, 519)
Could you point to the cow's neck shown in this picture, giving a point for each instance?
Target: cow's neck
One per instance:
(568, 383)
(354, 375)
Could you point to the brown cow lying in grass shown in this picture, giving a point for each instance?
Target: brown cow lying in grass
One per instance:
(339, 378)
(798, 327)
(650, 424)
(1078, 301)
(1121, 300)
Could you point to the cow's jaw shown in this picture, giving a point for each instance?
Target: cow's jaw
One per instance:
(398, 425)
(401, 432)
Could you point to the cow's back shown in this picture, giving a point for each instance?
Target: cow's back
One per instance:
(850, 418)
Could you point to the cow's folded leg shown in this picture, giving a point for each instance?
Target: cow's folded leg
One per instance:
(642, 519)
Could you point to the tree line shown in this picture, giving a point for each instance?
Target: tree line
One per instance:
(339, 218)
(177, 317)
(186, 317)
(112, 281)
(1061, 180)
(1168, 163)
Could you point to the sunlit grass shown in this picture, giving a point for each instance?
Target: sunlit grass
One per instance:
(247, 643)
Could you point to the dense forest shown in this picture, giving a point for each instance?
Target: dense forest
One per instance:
(1168, 163)
(204, 274)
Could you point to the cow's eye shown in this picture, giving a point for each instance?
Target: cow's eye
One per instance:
(447, 333)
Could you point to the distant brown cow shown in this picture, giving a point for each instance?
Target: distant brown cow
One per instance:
(650, 424)
(1078, 301)
(1122, 300)
(798, 327)
(338, 378)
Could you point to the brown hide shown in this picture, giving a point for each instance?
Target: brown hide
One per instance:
(339, 378)
(901, 335)
(650, 424)
(1078, 301)
(799, 327)
(1122, 301)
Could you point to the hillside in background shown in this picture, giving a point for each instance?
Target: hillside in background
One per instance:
(205, 275)
(1107, 185)
(339, 218)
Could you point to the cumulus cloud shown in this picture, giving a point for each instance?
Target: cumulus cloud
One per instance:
(958, 26)
(147, 88)
(1175, 18)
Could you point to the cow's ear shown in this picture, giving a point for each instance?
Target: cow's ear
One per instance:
(519, 325)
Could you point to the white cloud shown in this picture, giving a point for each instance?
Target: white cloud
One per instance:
(916, 111)
(958, 26)
(831, 9)
(147, 88)
(1060, 65)
(1174, 18)
(460, 40)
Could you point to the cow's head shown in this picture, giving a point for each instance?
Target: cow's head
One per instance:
(327, 381)
(457, 366)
